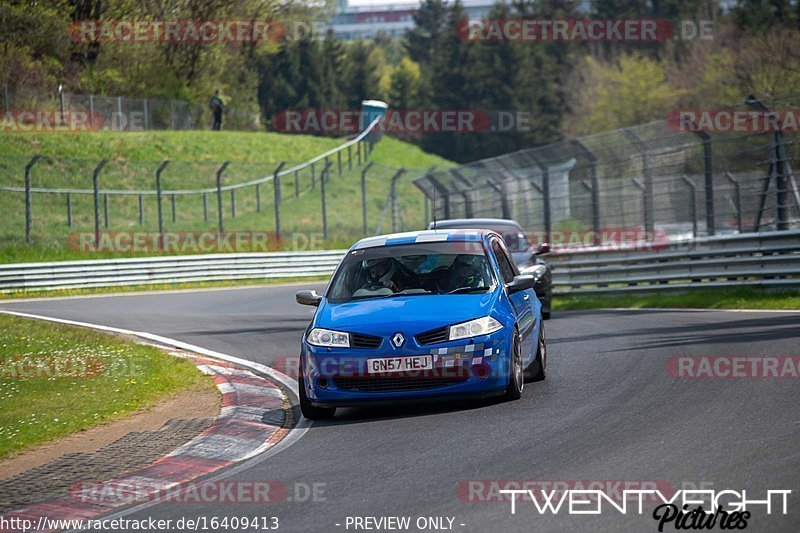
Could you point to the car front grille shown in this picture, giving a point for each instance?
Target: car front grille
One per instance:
(433, 336)
(361, 340)
(386, 383)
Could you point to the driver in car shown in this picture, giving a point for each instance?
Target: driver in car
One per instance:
(384, 272)
(464, 273)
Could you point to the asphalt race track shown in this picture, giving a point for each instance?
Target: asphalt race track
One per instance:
(609, 410)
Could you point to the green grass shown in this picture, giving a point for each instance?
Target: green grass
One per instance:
(134, 157)
(739, 298)
(57, 380)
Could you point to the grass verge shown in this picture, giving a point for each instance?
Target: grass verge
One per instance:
(56, 380)
(739, 298)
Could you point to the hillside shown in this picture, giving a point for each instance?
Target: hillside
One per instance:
(195, 157)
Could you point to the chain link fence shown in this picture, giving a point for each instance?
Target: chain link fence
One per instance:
(653, 180)
(120, 113)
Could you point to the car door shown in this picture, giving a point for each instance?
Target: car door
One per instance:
(522, 301)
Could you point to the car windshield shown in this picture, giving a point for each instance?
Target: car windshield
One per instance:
(413, 269)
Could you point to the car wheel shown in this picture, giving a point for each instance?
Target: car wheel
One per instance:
(516, 378)
(309, 411)
(537, 370)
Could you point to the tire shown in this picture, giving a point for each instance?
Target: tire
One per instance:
(537, 371)
(309, 411)
(516, 378)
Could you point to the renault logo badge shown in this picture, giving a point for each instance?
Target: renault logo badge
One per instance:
(398, 340)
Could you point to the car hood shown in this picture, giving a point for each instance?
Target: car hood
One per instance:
(385, 316)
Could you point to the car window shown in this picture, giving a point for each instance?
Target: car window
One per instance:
(506, 270)
(414, 269)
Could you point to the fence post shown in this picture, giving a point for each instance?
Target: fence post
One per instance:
(158, 203)
(324, 204)
(738, 199)
(205, 207)
(276, 183)
(643, 189)
(28, 204)
(221, 169)
(395, 210)
(593, 187)
(141, 210)
(69, 210)
(313, 176)
(6, 98)
(649, 223)
(545, 196)
(358, 151)
(443, 192)
(498, 188)
(105, 210)
(693, 206)
(144, 110)
(258, 197)
(233, 203)
(709, 177)
(349, 158)
(174, 214)
(339, 161)
(96, 196)
(296, 185)
(364, 198)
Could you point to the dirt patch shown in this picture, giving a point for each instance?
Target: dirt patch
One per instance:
(192, 404)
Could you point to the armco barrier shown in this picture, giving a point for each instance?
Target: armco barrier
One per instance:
(769, 259)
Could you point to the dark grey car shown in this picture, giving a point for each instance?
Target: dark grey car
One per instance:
(527, 258)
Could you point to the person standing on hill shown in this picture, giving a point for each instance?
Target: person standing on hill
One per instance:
(217, 105)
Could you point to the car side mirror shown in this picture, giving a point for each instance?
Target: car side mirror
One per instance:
(520, 283)
(543, 248)
(308, 297)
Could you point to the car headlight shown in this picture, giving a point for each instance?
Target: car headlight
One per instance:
(327, 337)
(474, 328)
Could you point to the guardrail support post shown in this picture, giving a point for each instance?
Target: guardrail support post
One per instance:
(364, 198)
(693, 203)
(324, 205)
(96, 196)
(258, 197)
(69, 210)
(141, 209)
(28, 203)
(276, 183)
(205, 207)
(395, 210)
(221, 170)
(737, 191)
(649, 223)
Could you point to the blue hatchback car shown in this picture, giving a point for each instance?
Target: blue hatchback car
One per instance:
(421, 315)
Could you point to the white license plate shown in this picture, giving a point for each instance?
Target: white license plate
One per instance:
(399, 364)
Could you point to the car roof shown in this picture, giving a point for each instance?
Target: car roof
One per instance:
(477, 223)
(412, 237)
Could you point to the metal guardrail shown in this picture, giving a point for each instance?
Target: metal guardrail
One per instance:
(769, 259)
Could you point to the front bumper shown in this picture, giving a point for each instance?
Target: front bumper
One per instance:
(475, 367)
